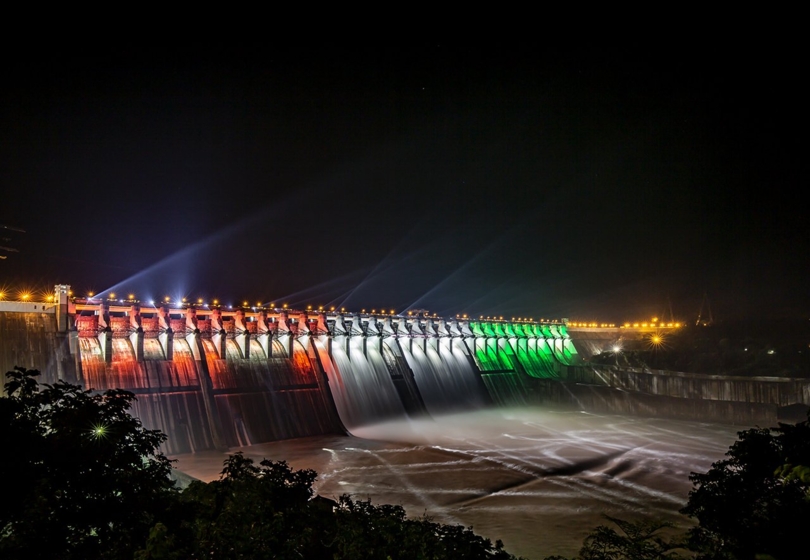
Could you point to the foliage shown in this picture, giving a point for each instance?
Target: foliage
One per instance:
(366, 531)
(253, 511)
(87, 481)
(84, 479)
(267, 511)
(637, 541)
(754, 502)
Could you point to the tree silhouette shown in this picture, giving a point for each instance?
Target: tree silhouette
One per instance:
(755, 502)
(82, 478)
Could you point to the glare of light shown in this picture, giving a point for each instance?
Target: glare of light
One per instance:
(284, 306)
(25, 296)
(616, 348)
(50, 298)
(309, 307)
(167, 299)
(2, 295)
(656, 340)
(99, 431)
(151, 302)
(199, 300)
(244, 303)
(216, 302)
(91, 294)
(112, 295)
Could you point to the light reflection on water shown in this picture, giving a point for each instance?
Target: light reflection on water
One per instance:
(538, 480)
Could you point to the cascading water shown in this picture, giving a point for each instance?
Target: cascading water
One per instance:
(267, 399)
(297, 380)
(362, 386)
(534, 356)
(250, 399)
(167, 392)
(496, 362)
(94, 369)
(446, 381)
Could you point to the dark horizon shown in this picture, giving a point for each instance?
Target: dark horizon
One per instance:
(598, 184)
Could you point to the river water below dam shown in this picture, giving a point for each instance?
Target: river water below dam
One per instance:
(540, 480)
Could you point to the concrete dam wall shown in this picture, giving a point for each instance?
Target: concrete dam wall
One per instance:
(214, 378)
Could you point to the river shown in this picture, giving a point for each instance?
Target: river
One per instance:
(539, 480)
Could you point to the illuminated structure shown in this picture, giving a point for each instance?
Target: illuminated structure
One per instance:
(211, 376)
(217, 377)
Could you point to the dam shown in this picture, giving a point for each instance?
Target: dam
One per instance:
(214, 377)
(503, 425)
(218, 378)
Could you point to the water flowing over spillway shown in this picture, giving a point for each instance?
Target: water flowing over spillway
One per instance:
(363, 389)
(248, 380)
(445, 375)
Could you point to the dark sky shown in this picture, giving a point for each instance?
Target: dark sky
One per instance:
(526, 181)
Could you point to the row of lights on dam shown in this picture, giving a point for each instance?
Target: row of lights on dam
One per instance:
(652, 323)
(28, 296)
(184, 301)
(181, 302)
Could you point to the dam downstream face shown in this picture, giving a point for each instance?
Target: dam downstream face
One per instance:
(539, 480)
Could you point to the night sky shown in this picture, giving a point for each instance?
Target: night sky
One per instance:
(599, 184)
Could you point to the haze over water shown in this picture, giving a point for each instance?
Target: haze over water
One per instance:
(540, 480)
